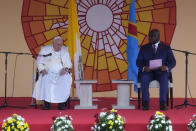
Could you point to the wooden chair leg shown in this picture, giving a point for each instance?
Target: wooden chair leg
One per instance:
(171, 97)
(139, 98)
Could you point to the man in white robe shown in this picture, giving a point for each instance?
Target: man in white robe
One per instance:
(55, 80)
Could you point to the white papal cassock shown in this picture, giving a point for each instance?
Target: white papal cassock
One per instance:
(52, 87)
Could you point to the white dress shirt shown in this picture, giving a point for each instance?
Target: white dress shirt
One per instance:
(156, 45)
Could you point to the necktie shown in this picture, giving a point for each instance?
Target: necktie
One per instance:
(154, 49)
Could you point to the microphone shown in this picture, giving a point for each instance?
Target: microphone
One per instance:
(46, 55)
(67, 70)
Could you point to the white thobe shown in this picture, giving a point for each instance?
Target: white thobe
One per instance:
(53, 87)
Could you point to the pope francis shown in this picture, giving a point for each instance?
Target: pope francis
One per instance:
(54, 83)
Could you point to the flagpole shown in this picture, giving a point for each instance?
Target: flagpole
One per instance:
(74, 44)
(73, 77)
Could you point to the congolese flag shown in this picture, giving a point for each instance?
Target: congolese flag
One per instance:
(73, 42)
(132, 46)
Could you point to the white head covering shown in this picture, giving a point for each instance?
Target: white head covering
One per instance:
(57, 38)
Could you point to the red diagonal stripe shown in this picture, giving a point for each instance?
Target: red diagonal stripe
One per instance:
(132, 29)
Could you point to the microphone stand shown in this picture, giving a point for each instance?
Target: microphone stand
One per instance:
(186, 103)
(5, 104)
(32, 100)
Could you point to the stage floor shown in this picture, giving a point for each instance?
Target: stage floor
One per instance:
(136, 120)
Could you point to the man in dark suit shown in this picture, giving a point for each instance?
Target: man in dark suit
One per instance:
(155, 50)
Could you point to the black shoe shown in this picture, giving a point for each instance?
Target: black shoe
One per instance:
(145, 105)
(46, 106)
(163, 106)
(61, 106)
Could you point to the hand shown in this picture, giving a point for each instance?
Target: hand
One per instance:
(164, 68)
(146, 69)
(63, 71)
(44, 72)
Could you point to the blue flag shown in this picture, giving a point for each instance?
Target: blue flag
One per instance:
(132, 46)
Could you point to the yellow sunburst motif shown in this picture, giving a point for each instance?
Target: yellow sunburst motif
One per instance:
(103, 26)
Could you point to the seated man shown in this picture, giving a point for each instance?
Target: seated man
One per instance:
(155, 50)
(55, 80)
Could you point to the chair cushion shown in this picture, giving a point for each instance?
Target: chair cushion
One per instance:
(155, 84)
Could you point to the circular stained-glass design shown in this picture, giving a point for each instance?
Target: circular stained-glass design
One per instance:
(103, 26)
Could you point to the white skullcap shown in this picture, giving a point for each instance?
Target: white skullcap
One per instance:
(57, 38)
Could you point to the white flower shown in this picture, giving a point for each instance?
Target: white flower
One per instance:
(157, 119)
(92, 128)
(58, 123)
(68, 122)
(21, 123)
(163, 121)
(120, 127)
(63, 118)
(169, 121)
(102, 114)
(19, 117)
(66, 126)
(150, 127)
(103, 124)
(152, 121)
(98, 128)
(119, 121)
(156, 126)
(160, 125)
(111, 116)
(9, 118)
(170, 128)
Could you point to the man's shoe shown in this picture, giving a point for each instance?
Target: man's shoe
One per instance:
(145, 105)
(46, 106)
(163, 106)
(61, 106)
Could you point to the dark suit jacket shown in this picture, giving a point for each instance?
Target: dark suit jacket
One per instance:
(163, 52)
